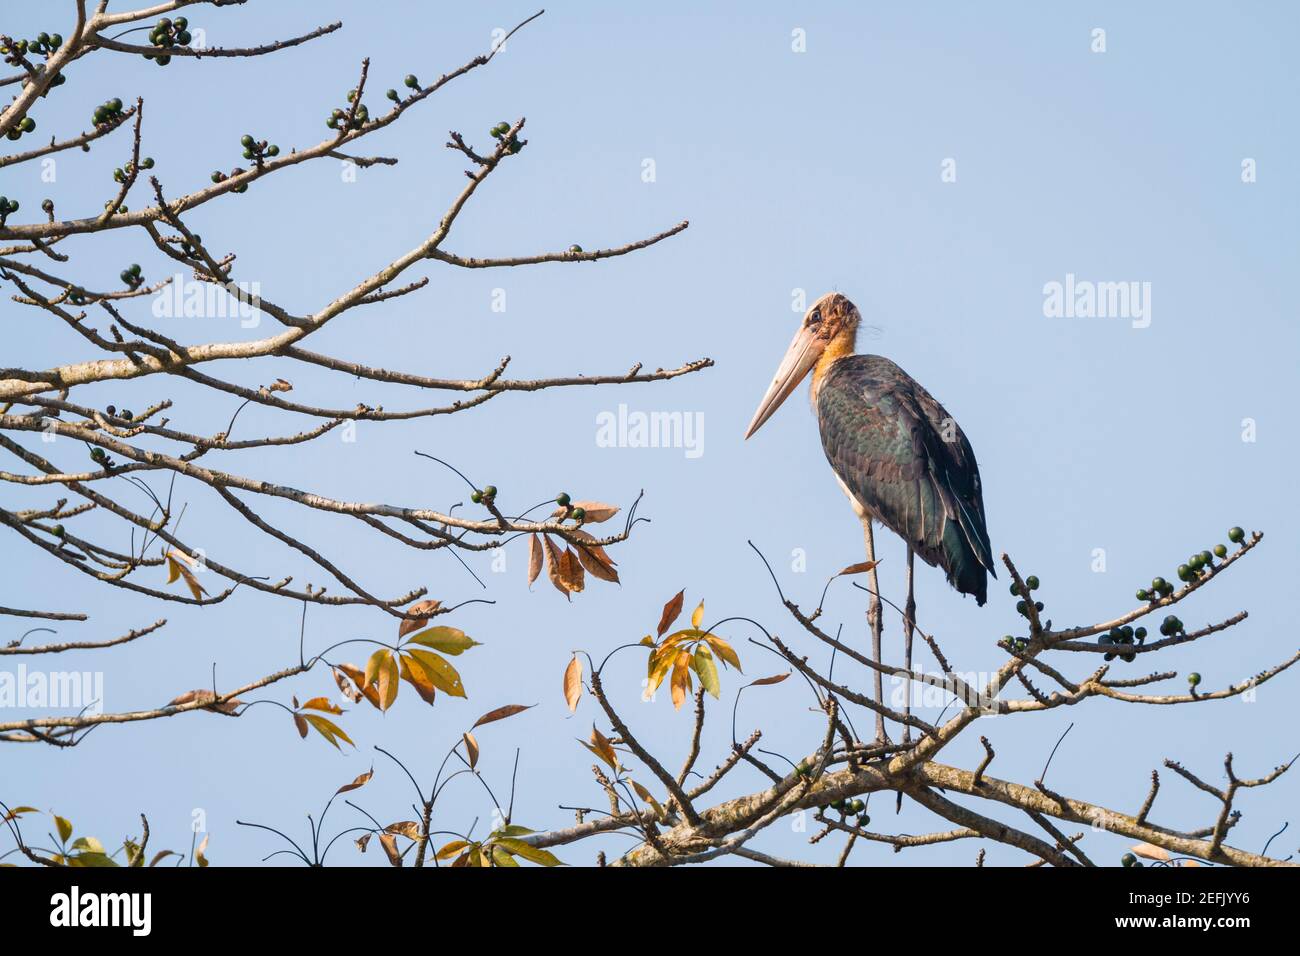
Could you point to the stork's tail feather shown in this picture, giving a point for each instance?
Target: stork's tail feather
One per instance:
(966, 571)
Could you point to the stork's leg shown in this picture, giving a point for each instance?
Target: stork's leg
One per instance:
(874, 620)
(909, 618)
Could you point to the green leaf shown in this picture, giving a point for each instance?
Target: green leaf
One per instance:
(707, 670)
(501, 856)
(64, 827)
(531, 853)
(449, 640)
(91, 858)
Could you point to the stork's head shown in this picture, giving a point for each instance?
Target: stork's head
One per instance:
(827, 331)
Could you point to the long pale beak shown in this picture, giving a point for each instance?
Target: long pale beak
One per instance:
(799, 359)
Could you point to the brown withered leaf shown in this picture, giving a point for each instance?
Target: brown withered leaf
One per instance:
(670, 612)
(858, 568)
(300, 724)
(501, 713)
(201, 854)
(554, 557)
(207, 699)
(280, 385)
(573, 683)
(409, 625)
(597, 511)
(389, 843)
(765, 681)
(471, 749)
(363, 841)
(534, 559)
(571, 572)
(407, 828)
(356, 784)
(594, 559)
(357, 677)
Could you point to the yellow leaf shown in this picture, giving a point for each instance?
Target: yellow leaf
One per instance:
(573, 683)
(372, 665)
(723, 650)
(858, 568)
(451, 849)
(387, 680)
(328, 729)
(697, 615)
(173, 570)
(64, 827)
(442, 674)
(417, 678)
(201, 854)
(681, 682)
(471, 747)
(323, 703)
(602, 748)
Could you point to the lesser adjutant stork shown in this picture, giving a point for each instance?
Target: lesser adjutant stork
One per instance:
(897, 453)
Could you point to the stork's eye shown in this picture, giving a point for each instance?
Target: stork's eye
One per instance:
(816, 317)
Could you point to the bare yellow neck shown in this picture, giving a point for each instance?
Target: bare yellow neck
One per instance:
(843, 344)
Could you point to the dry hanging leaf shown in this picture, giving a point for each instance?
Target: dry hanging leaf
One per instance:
(594, 559)
(697, 616)
(471, 748)
(200, 855)
(356, 784)
(857, 568)
(764, 681)
(1151, 852)
(553, 567)
(409, 625)
(301, 725)
(208, 700)
(350, 673)
(280, 385)
(501, 713)
(407, 828)
(596, 511)
(323, 703)
(571, 571)
(670, 612)
(573, 683)
(534, 559)
(389, 843)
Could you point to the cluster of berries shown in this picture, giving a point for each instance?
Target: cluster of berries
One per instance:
(168, 34)
(109, 111)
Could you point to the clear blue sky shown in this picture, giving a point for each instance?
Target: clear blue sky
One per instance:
(816, 170)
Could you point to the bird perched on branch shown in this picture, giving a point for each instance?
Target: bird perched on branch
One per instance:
(898, 455)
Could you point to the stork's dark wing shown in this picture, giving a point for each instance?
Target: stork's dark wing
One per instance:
(908, 463)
